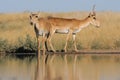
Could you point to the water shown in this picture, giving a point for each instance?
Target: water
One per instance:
(69, 67)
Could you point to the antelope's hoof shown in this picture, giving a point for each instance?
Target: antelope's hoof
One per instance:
(63, 50)
(52, 51)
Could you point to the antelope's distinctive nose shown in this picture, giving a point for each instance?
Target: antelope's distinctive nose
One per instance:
(98, 24)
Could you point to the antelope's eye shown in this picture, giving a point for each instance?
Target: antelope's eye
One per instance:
(94, 18)
(36, 16)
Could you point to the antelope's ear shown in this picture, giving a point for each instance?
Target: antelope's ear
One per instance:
(93, 10)
(39, 14)
(94, 13)
(89, 14)
(30, 14)
(30, 17)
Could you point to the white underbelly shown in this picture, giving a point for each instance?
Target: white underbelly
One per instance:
(41, 32)
(62, 31)
(77, 30)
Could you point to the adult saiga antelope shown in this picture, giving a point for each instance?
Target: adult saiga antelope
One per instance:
(42, 28)
(65, 26)
(71, 26)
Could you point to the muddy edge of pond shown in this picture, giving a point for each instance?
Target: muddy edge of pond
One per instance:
(66, 53)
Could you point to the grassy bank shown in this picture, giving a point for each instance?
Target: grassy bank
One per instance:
(17, 35)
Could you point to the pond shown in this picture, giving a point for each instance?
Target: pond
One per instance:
(61, 67)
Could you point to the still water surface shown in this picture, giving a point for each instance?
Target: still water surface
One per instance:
(74, 67)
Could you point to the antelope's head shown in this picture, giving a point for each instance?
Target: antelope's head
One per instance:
(33, 18)
(93, 19)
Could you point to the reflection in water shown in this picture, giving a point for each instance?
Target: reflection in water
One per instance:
(40, 73)
(37, 72)
(75, 68)
(65, 67)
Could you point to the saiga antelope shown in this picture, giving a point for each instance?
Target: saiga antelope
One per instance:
(67, 26)
(42, 28)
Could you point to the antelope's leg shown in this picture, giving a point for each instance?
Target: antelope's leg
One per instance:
(68, 36)
(46, 46)
(49, 40)
(43, 46)
(43, 43)
(74, 42)
(38, 46)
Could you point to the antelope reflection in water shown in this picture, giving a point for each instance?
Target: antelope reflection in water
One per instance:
(67, 67)
(40, 70)
(48, 71)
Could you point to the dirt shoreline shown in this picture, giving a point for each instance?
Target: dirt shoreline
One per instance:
(69, 52)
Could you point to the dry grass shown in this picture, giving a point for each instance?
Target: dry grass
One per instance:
(16, 25)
